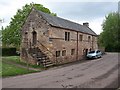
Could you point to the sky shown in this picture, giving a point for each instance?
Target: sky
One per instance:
(79, 11)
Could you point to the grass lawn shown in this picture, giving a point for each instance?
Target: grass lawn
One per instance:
(12, 70)
(16, 59)
(11, 58)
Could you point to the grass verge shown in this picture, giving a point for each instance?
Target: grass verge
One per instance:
(16, 59)
(12, 70)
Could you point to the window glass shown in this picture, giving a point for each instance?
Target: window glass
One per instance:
(67, 36)
(89, 38)
(57, 53)
(63, 52)
(72, 51)
(34, 39)
(80, 37)
(91, 52)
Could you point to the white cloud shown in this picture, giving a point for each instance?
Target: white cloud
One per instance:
(81, 0)
(9, 9)
(95, 24)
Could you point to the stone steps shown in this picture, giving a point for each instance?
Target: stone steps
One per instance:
(41, 57)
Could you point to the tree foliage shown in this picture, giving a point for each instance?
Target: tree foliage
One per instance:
(11, 34)
(109, 38)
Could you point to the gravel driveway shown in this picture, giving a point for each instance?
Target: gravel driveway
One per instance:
(97, 73)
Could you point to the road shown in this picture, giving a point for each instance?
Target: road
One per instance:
(97, 73)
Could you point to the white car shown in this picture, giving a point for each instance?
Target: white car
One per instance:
(94, 54)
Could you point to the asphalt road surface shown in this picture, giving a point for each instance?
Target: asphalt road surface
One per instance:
(97, 73)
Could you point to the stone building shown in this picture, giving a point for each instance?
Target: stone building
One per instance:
(49, 40)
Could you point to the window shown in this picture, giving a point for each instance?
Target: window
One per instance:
(72, 51)
(93, 38)
(91, 52)
(80, 37)
(67, 36)
(63, 52)
(57, 53)
(50, 39)
(88, 38)
(34, 37)
(26, 36)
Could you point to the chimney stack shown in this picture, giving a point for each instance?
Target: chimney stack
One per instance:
(86, 24)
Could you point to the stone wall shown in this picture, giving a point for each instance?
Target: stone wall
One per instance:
(58, 43)
(53, 39)
(34, 23)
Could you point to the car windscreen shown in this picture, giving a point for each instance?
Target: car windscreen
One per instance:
(91, 52)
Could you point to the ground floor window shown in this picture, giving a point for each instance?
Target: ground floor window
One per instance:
(57, 53)
(64, 53)
(72, 51)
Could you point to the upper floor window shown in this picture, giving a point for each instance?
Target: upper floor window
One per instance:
(67, 36)
(80, 37)
(26, 36)
(34, 37)
(94, 39)
(89, 38)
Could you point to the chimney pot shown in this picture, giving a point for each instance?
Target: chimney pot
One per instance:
(86, 24)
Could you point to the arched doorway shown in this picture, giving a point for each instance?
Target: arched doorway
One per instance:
(34, 37)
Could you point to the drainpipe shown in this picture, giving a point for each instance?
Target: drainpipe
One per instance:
(92, 41)
(77, 48)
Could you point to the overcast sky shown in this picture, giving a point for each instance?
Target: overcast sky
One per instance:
(92, 11)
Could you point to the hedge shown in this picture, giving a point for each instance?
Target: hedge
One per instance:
(109, 49)
(8, 51)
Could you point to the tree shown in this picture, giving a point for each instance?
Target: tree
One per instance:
(109, 38)
(11, 34)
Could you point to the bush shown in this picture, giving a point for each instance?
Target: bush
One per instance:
(8, 51)
(111, 49)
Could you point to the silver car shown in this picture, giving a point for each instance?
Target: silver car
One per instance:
(94, 54)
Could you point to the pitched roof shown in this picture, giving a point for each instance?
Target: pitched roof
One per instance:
(63, 23)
